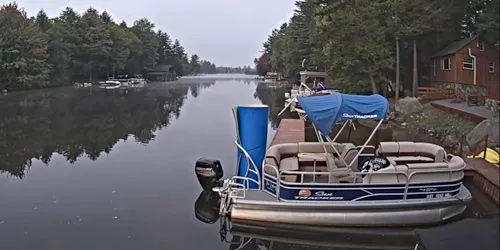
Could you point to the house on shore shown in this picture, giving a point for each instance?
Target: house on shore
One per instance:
(162, 73)
(470, 67)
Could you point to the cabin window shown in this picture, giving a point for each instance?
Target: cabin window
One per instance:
(492, 67)
(446, 63)
(469, 63)
(480, 45)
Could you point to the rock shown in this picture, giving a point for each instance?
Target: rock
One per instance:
(478, 132)
(450, 140)
(494, 133)
(403, 124)
(408, 105)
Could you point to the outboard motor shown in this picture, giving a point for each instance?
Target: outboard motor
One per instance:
(209, 172)
(206, 207)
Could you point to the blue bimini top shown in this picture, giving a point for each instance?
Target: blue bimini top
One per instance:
(325, 111)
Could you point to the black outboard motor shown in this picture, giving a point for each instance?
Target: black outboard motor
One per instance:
(206, 207)
(209, 172)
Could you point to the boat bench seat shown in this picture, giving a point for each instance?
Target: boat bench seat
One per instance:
(411, 152)
(453, 170)
(347, 151)
(288, 156)
(284, 158)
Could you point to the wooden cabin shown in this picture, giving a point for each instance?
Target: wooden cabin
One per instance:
(162, 73)
(470, 66)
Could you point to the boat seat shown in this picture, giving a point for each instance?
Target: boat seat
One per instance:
(394, 160)
(390, 175)
(289, 164)
(437, 171)
(283, 157)
(420, 172)
(410, 151)
(346, 150)
(348, 153)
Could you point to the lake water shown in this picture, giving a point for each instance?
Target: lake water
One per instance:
(95, 169)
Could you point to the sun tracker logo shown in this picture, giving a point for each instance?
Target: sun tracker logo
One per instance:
(346, 115)
(304, 193)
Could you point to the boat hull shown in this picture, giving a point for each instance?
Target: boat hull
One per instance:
(350, 214)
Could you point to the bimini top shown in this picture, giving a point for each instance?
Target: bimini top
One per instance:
(325, 111)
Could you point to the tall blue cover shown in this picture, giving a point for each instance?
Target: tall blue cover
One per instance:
(251, 129)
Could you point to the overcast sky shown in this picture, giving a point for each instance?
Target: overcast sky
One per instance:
(226, 32)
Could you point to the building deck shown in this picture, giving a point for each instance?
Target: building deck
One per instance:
(473, 113)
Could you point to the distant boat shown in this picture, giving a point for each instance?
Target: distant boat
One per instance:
(137, 82)
(110, 84)
(83, 85)
(273, 77)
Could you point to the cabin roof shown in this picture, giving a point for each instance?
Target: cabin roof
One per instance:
(454, 47)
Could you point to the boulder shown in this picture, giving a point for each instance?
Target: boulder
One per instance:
(484, 128)
(408, 105)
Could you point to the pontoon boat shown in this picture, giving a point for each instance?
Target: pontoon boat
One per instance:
(311, 83)
(110, 84)
(327, 183)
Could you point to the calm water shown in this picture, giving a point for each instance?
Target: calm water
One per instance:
(90, 169)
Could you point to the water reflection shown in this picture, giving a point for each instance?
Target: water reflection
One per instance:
(82, 122)
(274, 97)
(258, 237)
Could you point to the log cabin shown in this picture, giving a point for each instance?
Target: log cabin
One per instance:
(470, 66)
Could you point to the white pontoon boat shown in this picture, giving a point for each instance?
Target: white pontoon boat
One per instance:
(311, 83)
(339, 184)
(110, 84)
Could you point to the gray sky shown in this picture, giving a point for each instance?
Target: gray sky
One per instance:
(226, 32)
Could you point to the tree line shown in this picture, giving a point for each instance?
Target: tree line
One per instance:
(37, 52)
(361, 42)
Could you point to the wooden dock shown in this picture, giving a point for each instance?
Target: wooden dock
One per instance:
(290, 131)
(486, 176)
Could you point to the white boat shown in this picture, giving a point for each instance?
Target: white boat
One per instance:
(326, 183)
(311, 83)
(110, 84)
(273, 77)
(137, 83)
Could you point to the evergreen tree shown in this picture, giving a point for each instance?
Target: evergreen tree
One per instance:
(23, 51)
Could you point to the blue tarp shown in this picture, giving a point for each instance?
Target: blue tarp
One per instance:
(325, 111)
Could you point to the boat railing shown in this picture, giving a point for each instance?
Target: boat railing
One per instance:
(251, 167)
(347, 174)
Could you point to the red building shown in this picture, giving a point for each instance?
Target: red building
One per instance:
(471, 67)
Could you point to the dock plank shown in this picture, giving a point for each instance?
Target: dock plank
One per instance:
(290, 131)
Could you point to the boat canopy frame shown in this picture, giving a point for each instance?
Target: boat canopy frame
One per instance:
(326, 111)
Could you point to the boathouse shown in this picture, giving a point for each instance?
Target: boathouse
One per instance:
(470, 67)
(162, 73)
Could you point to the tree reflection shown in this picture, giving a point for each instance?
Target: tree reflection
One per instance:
(78, 122)
(274, 97)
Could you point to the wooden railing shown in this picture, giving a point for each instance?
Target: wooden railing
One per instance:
(435, 93)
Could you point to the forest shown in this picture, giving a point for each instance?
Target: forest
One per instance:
(361, 42)
(38, 52)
